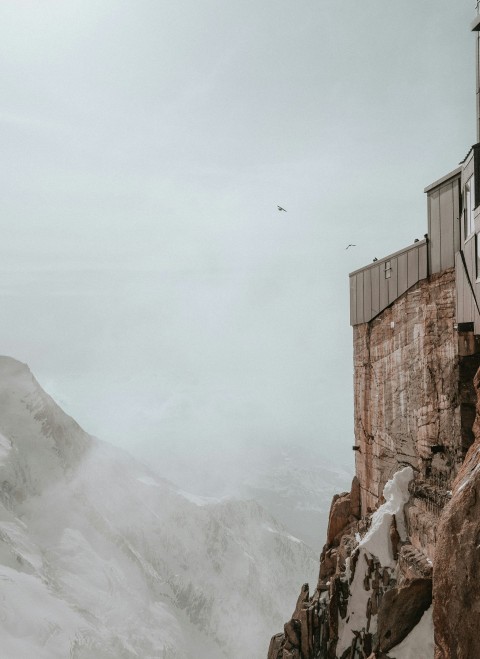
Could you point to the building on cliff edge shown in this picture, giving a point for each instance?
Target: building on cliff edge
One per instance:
(399, 571)
(416, 335)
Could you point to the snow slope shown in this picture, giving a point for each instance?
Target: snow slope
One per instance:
(100, 558)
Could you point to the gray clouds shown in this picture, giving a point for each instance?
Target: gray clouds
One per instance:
(147, 276)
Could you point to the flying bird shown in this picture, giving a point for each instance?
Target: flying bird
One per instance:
(280, 208)
(351, 245)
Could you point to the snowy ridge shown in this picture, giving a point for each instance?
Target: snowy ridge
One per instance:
(376, 544)
(100, 557)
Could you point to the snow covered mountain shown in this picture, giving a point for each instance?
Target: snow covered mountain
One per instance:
(100, 558)
(296, 486)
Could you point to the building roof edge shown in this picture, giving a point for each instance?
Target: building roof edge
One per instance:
(444, 179)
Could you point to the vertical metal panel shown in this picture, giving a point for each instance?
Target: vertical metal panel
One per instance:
(392, 282)
(383, 288)
(367, 296)
(476, 319)
(422, 262)
(402, 266)
(447, 254)
(371, 292)
(476, 288)
(470, 258)
(457, 214)
(469, 303)
(353, 299)
(476, 327)
(459, 302)
(375, 280)
(434, 231)
(359, 281)
(413, 273)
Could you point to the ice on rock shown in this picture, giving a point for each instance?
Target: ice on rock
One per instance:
(419, 644)
(377, 540)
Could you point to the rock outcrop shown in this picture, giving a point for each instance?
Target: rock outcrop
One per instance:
(370, 594)
(392, 540)
(457, 560)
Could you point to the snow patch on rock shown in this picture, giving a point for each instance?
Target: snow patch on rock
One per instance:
(419, 643)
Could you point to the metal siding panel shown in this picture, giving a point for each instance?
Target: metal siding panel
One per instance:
(476, 288)
(467, 172)
(375, 279)
(469, 252)
(468, 290)
(476, 318)
(412, 272)
(402, 273)
(393, 283)
(458, 288)
(476, 329)
(353, 300)
(447, 255)
(360, 314)
(457, 213)
(367, 296)
(434, 242)
(422, 262)
(383, 290)
(470, 259)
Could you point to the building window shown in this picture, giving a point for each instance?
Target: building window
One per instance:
(469, 207)
(388, 269)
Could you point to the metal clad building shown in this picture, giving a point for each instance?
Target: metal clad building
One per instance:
(444, 221)
(377, 286)
(467, 258)
(453, 241)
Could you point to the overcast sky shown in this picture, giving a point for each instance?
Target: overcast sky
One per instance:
(147, 277)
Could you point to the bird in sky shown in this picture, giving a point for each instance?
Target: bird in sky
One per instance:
(280, 208)
(351, 245)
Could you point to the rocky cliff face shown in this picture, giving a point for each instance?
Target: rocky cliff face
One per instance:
(373, 590)
(456, 610)
(411, 522)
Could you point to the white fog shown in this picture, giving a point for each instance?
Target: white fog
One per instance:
(160, 297)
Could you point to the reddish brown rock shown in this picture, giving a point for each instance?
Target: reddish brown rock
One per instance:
(340, 511)
(355, 506)
(275, 649)
(344, 510)
(414, 399)
(456, 611)
(400, 610)
(394, 537)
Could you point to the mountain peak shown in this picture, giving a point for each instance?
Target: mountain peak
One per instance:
(47, 442)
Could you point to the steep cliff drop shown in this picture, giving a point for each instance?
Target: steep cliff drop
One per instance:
(373, 599)
(456, 610)
(374, 592)
(411, 522)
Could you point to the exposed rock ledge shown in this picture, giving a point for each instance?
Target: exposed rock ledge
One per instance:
(373, 587)
(456, 611)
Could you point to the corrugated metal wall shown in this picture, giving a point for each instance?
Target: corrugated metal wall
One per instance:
(444, 224)
(468, 288)
(375, 287)
(466, 308)
(371, 291)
